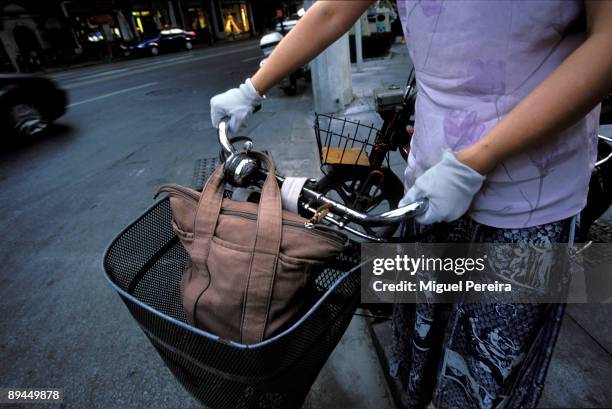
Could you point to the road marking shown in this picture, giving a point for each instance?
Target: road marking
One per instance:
(100, 74)
(74, 77)
(61, 75)
(150, 84)
(155, 66)
(167, 60)
(77, 78)
(252, 58)
(73, 73)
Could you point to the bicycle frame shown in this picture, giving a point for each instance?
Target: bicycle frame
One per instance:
(393, 134)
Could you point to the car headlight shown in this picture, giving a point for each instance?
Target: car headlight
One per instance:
(141, 45)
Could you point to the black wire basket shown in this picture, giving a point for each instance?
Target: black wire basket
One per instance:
(343, 141)
(144, 265)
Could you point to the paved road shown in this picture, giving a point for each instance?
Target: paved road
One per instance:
(130, 127)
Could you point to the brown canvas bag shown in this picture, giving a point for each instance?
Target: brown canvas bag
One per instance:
(249, 263)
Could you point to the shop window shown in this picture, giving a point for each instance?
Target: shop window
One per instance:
(235, 18)
(195, 18)
(138, 17)
(243, 16)
(146, 22)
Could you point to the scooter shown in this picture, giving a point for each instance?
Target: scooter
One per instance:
(288, 84)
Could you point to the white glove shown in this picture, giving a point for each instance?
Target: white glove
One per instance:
(450, 187)
(237, 105)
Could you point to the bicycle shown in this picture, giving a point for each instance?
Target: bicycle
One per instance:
(355, 156)
(144, 264)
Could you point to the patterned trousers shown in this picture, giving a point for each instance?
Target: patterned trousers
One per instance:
(476, 355)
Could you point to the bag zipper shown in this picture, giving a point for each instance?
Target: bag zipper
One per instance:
(337, 237)
(174, 189)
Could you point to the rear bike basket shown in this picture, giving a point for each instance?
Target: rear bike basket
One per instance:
(144, 265)
(343, 141)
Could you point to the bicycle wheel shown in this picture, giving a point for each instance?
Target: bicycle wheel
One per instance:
(365, 190)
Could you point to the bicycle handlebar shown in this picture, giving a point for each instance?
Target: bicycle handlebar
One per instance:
(240, 168)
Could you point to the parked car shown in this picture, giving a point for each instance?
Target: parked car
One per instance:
(166, 41)
(28, 104)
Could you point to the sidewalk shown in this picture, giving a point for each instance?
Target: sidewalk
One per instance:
(580, 374)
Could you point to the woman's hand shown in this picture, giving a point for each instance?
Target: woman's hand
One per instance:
(450, 186)
(236, 105)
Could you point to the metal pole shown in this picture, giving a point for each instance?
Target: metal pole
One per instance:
(171, 14)
(213, 7)
(183, 24)
(74, 36)
(251, 21)
(358, 45)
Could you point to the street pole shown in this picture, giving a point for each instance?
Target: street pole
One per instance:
(251, 21)
(180, 8)
(78, 48)
(358, 45)
(218, 33)
(331, 75)
(171, 14)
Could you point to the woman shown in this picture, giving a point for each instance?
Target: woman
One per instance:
(504, 144)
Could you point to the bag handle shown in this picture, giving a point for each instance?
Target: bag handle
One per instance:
(265, 251)
(264, 258)
(270, 211)
(206, 216)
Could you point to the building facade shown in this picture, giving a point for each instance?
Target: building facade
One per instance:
(35, 35)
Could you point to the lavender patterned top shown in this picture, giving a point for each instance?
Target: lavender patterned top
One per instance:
(475, 61)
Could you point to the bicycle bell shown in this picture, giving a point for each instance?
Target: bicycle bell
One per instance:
(239, 166)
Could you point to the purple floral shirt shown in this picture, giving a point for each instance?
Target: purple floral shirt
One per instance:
(474, 62)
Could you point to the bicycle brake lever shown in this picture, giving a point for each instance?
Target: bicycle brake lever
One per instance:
(413, 209)
(224, 139)
(397, 215)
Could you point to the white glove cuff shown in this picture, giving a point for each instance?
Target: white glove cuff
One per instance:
(251, 91)
(461, 168)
